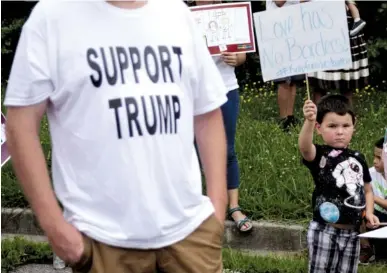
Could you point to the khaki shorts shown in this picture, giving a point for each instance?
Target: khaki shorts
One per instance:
(200, 252)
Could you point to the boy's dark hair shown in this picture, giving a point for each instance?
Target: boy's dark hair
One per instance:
(334, 104)
(379, 143)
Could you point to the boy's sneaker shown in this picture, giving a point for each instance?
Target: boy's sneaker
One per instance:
(357, 27)
(366, 256)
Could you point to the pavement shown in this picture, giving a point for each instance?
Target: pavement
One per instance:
(43, 268)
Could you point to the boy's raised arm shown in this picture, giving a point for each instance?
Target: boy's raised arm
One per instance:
(305, 139)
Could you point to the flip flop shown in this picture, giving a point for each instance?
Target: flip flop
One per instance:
(240, 223)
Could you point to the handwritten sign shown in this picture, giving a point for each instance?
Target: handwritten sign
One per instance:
(226, 27)
(5, 156)
(303, 38)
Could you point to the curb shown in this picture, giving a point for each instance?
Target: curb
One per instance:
(265, 236)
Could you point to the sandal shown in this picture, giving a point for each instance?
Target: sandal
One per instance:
(242, 222)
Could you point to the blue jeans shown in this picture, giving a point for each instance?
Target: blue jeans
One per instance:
(230, 112)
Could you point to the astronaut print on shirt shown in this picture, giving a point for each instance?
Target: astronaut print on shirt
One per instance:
(339, 176)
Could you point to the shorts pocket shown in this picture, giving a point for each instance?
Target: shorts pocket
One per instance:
(219, 226)
(85, 263)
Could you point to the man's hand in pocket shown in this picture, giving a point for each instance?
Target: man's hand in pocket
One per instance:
(66, 242)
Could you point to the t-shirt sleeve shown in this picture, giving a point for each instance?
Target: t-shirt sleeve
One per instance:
(209, 89)
(312, 165)
(366, 172)
(30, 79)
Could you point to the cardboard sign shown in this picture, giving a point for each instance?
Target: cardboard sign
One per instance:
(303, 38)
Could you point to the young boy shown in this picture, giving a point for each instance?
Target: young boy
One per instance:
(358, 23)
(379, 187)
(342, 186)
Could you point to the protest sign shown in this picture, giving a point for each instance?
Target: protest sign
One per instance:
(226, 27)
(303, 38)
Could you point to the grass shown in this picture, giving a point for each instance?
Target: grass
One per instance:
(240, 262)
(274, 184)
(19, 251)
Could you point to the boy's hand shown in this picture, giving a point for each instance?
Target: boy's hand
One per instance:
(310, 110)
(372, 220)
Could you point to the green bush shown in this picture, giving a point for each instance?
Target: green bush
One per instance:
(19, 251)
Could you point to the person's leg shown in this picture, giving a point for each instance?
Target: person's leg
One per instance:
(230, 117)
(349, 95)
(291, 100)
(358, 23)
(353, 10)
(366, 249)
(101, 258)
(349, 247)
(380, 245)
(200, 252)
(230, 112)
(318, 93)
(284, 99)
(322, 248)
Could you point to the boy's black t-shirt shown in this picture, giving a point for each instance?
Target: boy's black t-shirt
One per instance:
(339, 176)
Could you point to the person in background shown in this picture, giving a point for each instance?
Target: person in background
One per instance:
(342, 186)
(347, 81)
(375, 249)
(226, 64)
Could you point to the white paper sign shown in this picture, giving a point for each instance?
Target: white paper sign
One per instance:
(303, 38)
(378, 233)
(223, 25)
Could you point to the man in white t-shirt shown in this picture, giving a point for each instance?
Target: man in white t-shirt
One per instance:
(125, 86)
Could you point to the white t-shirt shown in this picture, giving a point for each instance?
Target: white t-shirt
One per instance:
(121, 145)
(227, 72)
(270, 4)
(379, 187)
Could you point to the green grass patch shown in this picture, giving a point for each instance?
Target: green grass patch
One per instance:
(19, 251)
(243, 263)
(274, 184)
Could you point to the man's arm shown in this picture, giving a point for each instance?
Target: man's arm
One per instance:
(22, 130)
(381, 202)
(211, 141)
(23, 127)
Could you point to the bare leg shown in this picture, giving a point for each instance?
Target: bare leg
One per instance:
(353, 10)
(285, 100)
(318, 93)
(349, 96)
(291, 100)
